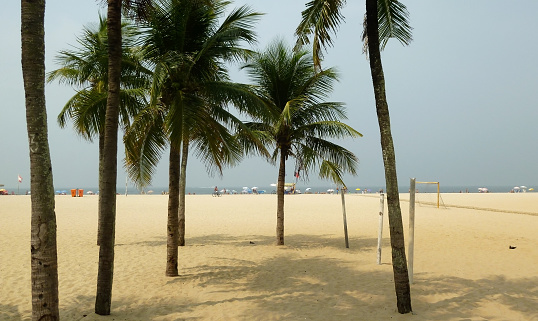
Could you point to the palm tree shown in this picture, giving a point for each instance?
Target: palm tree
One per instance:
(44, 260)
(188, 48)
(295, 119)
(108, 164)
(384, 19)
(87, 67)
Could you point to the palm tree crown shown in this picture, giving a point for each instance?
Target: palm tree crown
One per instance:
(296, 118)
(188, 45)
(322, 17)
(86, 67)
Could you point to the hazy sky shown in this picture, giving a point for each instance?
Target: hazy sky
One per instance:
(463, 96)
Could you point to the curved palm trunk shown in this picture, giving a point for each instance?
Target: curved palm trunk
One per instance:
(182, 188)
(173, 204)
(44, 261)
(280, 199)
(399, 262)
(107, 200)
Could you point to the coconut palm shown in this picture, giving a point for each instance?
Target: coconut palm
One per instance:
(44, 261)
(296, 119)
(385, 19)
(86, 67)
(108, 164)
(188, 48)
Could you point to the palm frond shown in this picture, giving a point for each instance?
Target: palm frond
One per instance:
(144, 143)
(328, 128)
(320, 18)
(393, 20)
(224, 43)
(331, 171)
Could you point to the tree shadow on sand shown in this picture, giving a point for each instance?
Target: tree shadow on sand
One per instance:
(289, 287)
(295, 241)
(9, 312)
(462, 298)
(298, 284)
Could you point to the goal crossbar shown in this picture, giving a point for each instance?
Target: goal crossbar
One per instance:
(438, 191)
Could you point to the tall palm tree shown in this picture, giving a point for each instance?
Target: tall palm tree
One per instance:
(44, 261)
(385, 19)
(296, 119)
(86, 67)
(108, 164)
(188, 47)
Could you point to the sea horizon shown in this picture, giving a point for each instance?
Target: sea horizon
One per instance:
(205, 190)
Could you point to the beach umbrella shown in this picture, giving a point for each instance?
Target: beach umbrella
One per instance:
(273, 184)
(523, 187)
(357, 189)
(58, 192)
(531, 189)
(150, 192)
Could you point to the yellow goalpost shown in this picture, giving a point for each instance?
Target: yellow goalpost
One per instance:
(438, 191)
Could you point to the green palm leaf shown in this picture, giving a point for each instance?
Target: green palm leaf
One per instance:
(321, 19)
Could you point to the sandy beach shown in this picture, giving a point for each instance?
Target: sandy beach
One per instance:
(230, 268)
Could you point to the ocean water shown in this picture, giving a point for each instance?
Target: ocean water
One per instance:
(204, 190)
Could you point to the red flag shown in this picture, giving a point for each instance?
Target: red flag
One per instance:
(20, 178)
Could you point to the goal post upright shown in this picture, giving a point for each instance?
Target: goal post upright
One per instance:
(438, 190)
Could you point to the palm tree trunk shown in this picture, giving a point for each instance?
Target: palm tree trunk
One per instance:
(101, 157)
(173, 204)
(107, 198)
(182, 187)
(280, 198)
(399, 262)
(44, 260)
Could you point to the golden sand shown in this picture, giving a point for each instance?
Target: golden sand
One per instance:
(231, 269)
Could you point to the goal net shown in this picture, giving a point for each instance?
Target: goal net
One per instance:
(428, 194)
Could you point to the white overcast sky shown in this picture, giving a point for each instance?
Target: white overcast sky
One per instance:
(463, 96)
